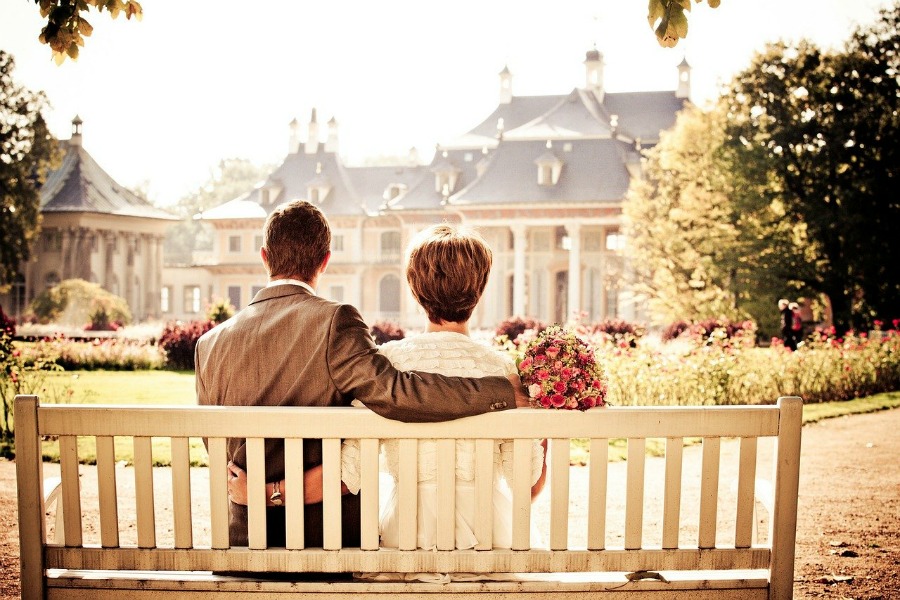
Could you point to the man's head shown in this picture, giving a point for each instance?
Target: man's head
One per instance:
(297, 241)
(782, 304)
(447, 270)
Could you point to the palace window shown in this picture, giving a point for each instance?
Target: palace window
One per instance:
(337, 243)
(165, 299)
(234, 243)
(191, 299)
(615, 241)
(234, 296)
(549, 167)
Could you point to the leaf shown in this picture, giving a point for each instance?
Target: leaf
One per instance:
(59, 58)
(72, 51)
(84, 27)
(655, 11)
(678, 21)
(685, 4)
(712, 3)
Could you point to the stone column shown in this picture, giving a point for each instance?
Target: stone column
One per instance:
(574, 232)
(67, 249)
(519, 240)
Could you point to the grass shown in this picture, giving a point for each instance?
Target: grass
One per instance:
(177, 387)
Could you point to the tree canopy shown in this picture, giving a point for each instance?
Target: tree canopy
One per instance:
(27, 152)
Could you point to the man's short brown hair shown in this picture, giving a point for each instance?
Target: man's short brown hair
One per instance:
(447, 270)
(297, 240)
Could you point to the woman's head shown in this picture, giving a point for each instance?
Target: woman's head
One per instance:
(447, 270)
(297, 240)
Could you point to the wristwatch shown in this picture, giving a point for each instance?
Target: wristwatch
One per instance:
(276, 497)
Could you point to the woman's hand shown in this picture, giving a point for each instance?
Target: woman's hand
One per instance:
(237, 484)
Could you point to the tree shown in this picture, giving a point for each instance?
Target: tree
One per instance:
(233, 177)
(27, 153)
(815, 134)
(66, 28)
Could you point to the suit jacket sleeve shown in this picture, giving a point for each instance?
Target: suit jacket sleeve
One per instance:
(358, 369)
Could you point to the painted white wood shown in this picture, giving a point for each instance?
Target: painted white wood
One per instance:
(181, 492)
(783, 530)
(709, 492)
(294, 494)
(634, 499)
(218, 493)
(744, 518)
(331, 494)
(484, 490)
(407, 487)
(71, 489)
(370, 494)
(446, 497)
(521, 489)
(106, 491)
(672, 501)
(599, 461)
(143, 489)
(559, 493)
(256, 493)
(29, 486)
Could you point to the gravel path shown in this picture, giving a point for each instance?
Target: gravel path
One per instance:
(848, 540)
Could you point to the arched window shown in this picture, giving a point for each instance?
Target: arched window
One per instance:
(390, 246)
(389, 296)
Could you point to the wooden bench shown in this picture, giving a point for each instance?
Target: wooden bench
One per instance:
(698, 565)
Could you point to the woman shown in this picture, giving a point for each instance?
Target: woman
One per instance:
(447, 271)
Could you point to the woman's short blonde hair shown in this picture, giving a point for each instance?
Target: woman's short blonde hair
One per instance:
(447, 269)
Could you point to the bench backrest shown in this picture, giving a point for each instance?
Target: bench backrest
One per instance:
(636, 424)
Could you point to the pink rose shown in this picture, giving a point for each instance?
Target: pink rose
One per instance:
(559, 387)
(545, 401)
(525, 363)
(540, 359)
(566, 373)
(552, 351)
(542, 375)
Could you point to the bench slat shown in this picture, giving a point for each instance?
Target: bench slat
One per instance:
(484, 489)
(369, 484)
(106, 491)
(446, 480)
(331, 494)
(218, 493)
(634, 500)
(256, 498)
(672, 501)
(71, 489)
(143, 489)
(181, 492)
(294, 507)
(559, 493)
(407, 490)
(598, 471)
(521, 489)
(709, 492)
(743, 524)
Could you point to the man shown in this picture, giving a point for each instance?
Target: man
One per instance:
(787, 324)
(289, 347)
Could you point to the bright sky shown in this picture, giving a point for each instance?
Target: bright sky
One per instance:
(164, 99)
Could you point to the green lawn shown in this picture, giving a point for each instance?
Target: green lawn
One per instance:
(172, 387)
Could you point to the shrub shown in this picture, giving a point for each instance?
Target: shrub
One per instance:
(513, 327)
(76, 302)
(178, 341)
(385, 331)
(219, 311)
(114, 354)
(674, 330)
(7, 324)
(618, 331)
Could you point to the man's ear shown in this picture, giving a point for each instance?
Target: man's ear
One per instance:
(264, 256)
(325, 263)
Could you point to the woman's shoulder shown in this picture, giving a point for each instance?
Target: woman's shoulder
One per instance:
(434, 351)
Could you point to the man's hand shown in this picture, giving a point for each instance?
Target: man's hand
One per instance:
(237, 484)
(522, 400)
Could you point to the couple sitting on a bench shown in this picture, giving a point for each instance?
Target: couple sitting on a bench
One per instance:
(289, 347)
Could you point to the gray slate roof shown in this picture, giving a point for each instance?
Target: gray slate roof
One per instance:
(644, 114)
(574, 116)
(80, 185)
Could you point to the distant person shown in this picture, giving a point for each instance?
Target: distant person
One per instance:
(289, 347)
(796, 323)
(787, 324)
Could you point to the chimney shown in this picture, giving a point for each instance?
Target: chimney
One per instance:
(593, 67)
(312, 138)
(332, 144)
(294, 138)
(75, 140)
(684, 80)
(505, 86)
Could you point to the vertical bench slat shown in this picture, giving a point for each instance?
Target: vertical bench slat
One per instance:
(331, 494)
(29, 483)
(256, 496)
(446, 495)
(369, 484)
(106, 491)
(143, 489)
(407, 490)
(634, 498)
(709, 492)
(559, 494)
(181, 492)
(71, 486)
(484, 490)
(597, 474)
(743, 528)
(783, 524)
(521, 490)
(294, 494)
(672, 502)
(218, 493)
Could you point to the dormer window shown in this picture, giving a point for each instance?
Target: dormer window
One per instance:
(394, 191)
(549, 167)
(446, 175)
(268, 194)
(317, 189)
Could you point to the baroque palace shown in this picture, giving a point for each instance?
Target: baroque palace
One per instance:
(542, 178)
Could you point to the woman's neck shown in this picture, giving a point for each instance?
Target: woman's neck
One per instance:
(461, 327)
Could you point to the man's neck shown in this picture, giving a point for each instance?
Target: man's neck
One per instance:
(461, 327)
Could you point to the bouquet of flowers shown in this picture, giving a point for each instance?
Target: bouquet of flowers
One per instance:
(560, 371)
